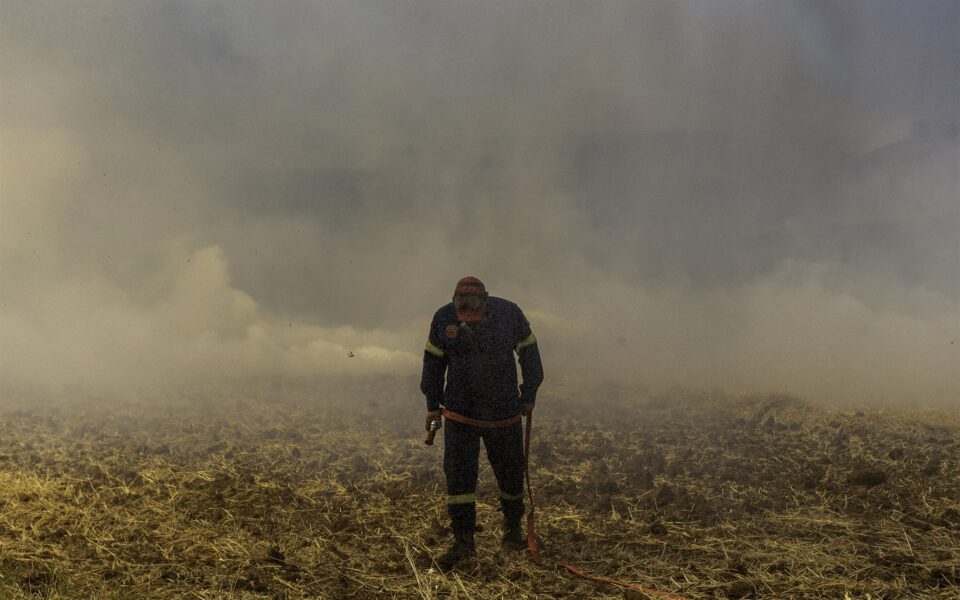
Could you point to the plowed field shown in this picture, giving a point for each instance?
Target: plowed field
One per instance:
(330, 493)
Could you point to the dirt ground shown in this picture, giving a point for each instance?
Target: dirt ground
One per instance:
(285, 492)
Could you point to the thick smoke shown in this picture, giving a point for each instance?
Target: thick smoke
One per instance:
(756, 197)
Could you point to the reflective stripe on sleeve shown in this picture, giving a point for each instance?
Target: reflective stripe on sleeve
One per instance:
(507, 496)
(531, 340)
(462, 499)
(434, 350)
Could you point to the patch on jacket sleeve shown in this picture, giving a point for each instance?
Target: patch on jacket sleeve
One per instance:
(452, 332)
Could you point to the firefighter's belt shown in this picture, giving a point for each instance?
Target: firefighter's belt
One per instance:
(478, 423)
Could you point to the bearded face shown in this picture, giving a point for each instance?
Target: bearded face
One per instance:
(470, 307)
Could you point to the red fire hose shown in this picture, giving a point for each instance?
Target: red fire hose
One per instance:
(531, 535)
(532, 538)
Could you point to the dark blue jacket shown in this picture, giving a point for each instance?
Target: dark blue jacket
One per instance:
(478, 359)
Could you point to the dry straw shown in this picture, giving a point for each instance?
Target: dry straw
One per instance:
(260, 496)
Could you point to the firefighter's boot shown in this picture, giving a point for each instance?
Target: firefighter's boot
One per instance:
(513, 539)
(463, 548)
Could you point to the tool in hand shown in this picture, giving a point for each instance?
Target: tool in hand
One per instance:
(432, 431)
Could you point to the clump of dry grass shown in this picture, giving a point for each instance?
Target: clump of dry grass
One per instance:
(247, 496)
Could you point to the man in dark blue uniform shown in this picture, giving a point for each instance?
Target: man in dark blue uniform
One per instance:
(472, 341)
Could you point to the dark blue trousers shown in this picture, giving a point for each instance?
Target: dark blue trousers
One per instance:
(461, 456)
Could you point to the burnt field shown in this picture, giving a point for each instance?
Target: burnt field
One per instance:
(281, 493)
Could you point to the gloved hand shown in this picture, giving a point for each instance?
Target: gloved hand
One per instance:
(433, 414)
(526, 408)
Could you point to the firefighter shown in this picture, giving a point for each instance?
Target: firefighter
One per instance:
(472, 341)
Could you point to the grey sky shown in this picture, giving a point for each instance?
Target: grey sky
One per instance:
(754, 195)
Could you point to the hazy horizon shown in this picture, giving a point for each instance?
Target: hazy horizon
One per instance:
(757, 197)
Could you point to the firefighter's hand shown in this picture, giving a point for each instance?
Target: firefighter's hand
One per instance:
(433, 414)
(526, 408)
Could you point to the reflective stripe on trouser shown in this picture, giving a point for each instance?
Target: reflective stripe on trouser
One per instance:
(461, 456)
(462, 499)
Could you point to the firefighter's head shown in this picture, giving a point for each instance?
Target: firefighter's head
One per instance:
(470, 299)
